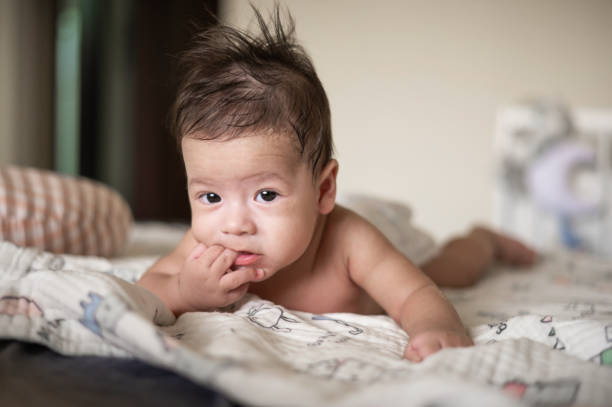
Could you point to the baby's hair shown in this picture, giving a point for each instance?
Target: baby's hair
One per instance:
(235, 83)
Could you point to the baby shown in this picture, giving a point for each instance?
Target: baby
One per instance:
(253, 124)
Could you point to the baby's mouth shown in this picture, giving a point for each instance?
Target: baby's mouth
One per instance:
(245, 259)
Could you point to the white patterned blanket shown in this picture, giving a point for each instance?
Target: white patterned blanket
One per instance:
(543, 337)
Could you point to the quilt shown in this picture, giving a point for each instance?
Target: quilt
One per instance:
(543, 336)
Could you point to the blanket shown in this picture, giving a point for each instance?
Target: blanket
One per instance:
(543, 336)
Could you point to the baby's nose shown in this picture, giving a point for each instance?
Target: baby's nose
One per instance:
(238, 222)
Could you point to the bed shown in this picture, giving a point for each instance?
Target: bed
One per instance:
(543, 338)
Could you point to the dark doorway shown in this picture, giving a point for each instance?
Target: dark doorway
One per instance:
(128, 81)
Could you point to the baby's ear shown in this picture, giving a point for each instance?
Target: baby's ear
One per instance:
(326, 187)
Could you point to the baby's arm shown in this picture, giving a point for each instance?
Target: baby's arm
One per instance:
(463, 260)
(404, 291)
(197, 278)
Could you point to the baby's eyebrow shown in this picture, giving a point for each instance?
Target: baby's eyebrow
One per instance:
(198, 180)
(265, 175)
(261, 176)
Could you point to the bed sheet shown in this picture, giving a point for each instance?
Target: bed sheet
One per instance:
(543, 336)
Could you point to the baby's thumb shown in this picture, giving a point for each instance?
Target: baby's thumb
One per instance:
(239, 278)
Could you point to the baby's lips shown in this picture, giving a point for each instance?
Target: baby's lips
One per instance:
(246, 259)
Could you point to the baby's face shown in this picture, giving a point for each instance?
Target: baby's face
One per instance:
(254, 195)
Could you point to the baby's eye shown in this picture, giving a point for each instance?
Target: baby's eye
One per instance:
(266, 196)
(210, 198)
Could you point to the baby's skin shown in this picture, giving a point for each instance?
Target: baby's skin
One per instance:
(261, 223)
(463, 260)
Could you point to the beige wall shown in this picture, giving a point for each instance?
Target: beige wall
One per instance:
(414, 87)
(26, 82)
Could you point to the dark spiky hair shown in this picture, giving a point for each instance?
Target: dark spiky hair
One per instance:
(235, 83)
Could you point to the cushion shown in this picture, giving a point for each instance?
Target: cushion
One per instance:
(61, 214)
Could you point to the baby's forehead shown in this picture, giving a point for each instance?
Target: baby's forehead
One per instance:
(280, 139)
(269, 148)
(269, 139)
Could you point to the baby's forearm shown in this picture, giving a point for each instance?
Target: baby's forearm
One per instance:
(432, 324)
(427, 309)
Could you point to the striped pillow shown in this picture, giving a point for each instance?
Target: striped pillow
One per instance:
(61, 214)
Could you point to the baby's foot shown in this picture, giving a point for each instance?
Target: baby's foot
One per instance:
(511, 251)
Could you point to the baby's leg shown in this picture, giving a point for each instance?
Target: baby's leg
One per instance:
(463, 260)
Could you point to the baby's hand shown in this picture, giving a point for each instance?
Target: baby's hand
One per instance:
(425, 343)
(206, 281)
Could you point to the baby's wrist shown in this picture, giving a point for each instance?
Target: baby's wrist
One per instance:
(178, 305)
(180, 298)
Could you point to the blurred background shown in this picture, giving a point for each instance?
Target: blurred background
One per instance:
(417, 89)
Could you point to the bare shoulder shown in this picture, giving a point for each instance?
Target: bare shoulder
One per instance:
(172, 263)
(360, 240)
(343, 220)
(374, 264)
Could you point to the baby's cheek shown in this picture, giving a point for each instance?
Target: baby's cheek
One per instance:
(296, 240)
(199, 230)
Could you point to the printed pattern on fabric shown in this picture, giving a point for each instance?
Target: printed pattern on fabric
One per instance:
(543, 336)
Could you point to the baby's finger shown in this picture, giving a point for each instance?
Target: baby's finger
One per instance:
(239, 277)
(412, 354)
(427, 348)
(223, 262)
(237, 293)
(210, 255)
(197, 251)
